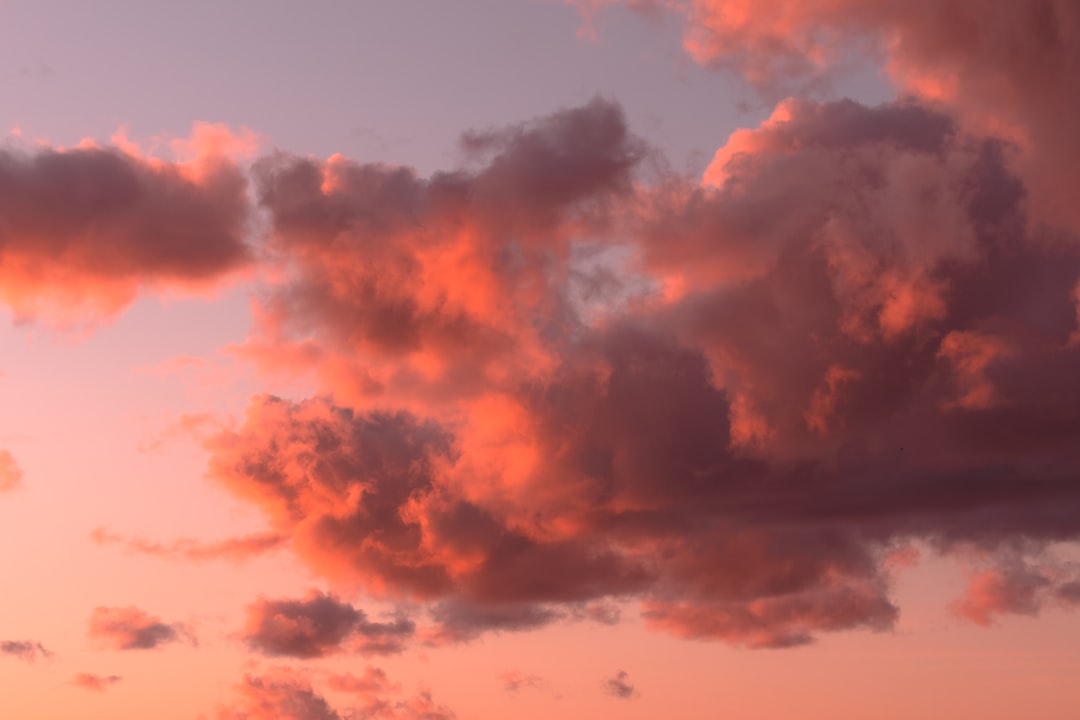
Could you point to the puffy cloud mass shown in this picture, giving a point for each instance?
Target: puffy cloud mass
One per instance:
(84, 229)
(320, 625)
(129, 628)
(554, 385)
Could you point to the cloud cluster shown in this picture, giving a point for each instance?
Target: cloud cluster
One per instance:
(129, 628)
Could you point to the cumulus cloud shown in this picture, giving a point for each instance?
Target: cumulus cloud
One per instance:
(619, 686)
(129, 628)
(86, 228)
(846, 338)
(10, 474)
(96, 683)
(319, 625)
(26, 650)
(237, 549)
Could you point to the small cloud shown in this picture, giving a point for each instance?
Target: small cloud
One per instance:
(26, 650)
(97, 683)
(514, 681)
(620, 686)
(129, 628)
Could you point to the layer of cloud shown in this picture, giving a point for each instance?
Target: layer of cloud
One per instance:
(86, 228)
(320, 625)
(11, 475)
(26, 650)
(129, 628)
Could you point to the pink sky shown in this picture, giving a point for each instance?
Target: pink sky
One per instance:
(689, 359)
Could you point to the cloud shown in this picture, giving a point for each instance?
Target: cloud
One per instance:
(320, 625)
(372, 681)
(284, 693)
(97, 683)
(26, 650)
(1005, 67)
(87, 228)
(999, 591)
(10, 474)
(847, 338)
(391, 282)
(237, 549)
(514, 680)
(129, 628)
(620, 686)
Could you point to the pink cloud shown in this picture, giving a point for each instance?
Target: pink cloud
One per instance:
(96, 683)
(129, 628)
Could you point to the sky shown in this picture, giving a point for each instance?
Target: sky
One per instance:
(530, 358)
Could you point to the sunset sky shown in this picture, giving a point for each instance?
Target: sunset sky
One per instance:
(485, 359)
